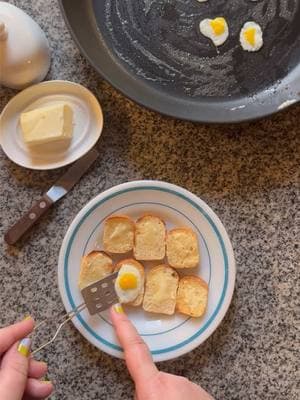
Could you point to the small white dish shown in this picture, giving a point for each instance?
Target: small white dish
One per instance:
(87, 125)
(167, 336)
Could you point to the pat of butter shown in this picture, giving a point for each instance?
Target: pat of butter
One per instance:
(47, 124)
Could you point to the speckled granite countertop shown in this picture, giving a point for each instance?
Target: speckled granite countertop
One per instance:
(249, 174)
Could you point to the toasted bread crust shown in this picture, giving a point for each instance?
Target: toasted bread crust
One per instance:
(118, 234)
(94, 266)
(182, 248)
(192, 296)
(138, 301)
(161, 288)
(149, 215)
(150, 237)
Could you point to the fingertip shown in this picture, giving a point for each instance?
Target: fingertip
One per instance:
(39, 389)
(27, 323)
(116, 313)
(24, 347)
(14, 333)
(118, 309)
(37, 369)
(27, 318)
(48, 383)
(44, 364)
(48, 387)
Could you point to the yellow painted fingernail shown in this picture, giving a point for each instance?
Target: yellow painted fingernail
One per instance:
(26, 318)
(45, 381)
(24, 347)
(118, 308)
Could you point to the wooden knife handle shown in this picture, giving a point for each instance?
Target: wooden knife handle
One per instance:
(29, 219)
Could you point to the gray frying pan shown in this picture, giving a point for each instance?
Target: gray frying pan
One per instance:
(153, 52)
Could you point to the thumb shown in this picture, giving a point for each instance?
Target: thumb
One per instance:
(14, 370)
(137, 355)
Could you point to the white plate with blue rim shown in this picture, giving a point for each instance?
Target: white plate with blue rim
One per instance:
(167, 336)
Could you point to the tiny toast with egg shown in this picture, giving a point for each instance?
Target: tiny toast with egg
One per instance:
(94, 266)
(130, 280)
(161, 288)
(150, 238)
(118, 235)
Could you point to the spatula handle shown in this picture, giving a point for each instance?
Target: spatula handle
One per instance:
(29, 219)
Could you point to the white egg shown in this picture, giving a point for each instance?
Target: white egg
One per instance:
(251, 36)
(128, 283)
(215, 29)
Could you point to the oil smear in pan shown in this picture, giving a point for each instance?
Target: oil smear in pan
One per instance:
(161, 42)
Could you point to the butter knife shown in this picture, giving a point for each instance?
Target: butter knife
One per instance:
(56, 192)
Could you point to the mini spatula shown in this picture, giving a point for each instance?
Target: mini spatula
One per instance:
(98, 296)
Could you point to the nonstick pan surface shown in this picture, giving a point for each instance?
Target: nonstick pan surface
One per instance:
(153, 52)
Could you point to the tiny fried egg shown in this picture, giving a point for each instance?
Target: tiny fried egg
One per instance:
(251, 37)
(128, 283)
(215, 29)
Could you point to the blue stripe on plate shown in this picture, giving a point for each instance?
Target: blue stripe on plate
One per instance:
(210, 221)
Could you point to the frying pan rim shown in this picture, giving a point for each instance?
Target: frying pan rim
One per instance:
(242, 112)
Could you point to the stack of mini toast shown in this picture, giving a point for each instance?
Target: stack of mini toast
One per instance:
(162, 291)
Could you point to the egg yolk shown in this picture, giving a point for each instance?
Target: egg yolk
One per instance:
(250, 36)
(128, 281)
(218, 25)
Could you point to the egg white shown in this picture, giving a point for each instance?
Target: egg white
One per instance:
(258, 37)
(207, 30)
(126, 296)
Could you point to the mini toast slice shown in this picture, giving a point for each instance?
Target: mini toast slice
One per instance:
(182, 248)
(150, 238)
(138, 301)
(161, 289)
(94, 266)
(192, 296)
(118, 235)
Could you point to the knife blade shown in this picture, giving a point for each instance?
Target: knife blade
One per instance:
(56, 192)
